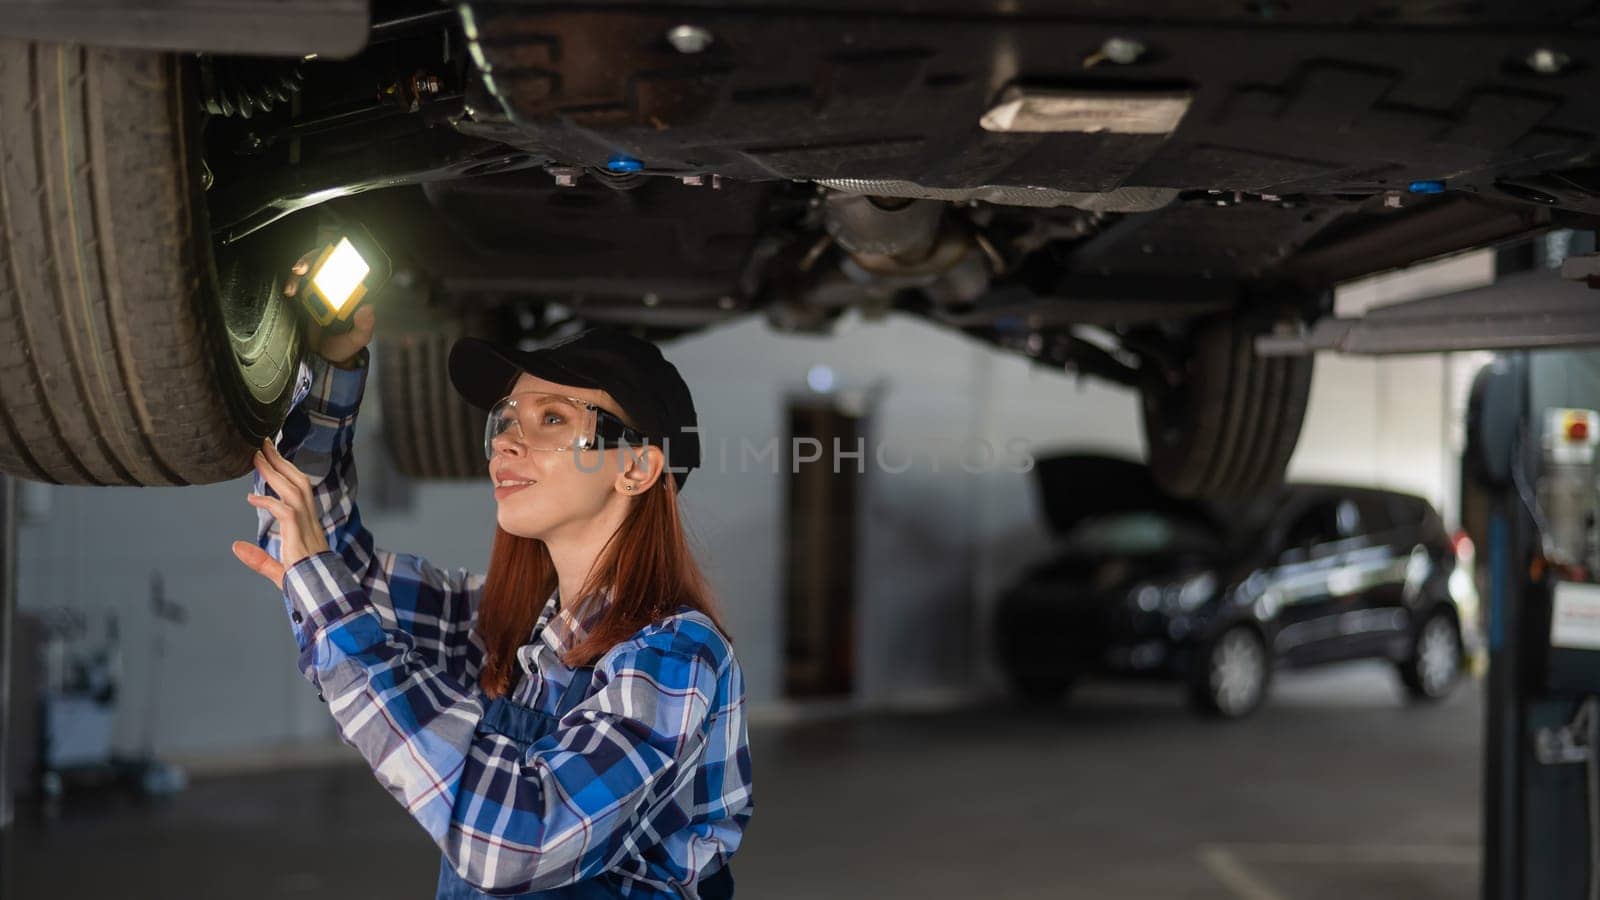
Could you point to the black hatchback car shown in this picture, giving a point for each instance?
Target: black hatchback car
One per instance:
(1216, 596)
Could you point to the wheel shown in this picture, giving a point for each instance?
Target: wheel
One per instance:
(131, 353)
(1434, 666)
(429, 430)
(1228, 425)
(1231, 674)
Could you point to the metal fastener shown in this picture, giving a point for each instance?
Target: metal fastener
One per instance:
(1119, 50)
(689, 38)
(424, 83)
(1547, 61)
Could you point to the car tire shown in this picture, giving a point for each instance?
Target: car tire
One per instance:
(1228, 425)
(430, 432)
(1434, 665)
(1231, 674)
(131, 353)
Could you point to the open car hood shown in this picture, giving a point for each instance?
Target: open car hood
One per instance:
(1075, 486)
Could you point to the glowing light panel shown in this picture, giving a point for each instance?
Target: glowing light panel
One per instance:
(339, 276)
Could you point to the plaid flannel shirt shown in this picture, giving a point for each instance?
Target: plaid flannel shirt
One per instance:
(648, 777)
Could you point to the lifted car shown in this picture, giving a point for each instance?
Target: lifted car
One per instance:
(1134, 191)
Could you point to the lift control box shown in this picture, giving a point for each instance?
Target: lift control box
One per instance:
(1568, 502)
(1574, 661)
(1567, 495)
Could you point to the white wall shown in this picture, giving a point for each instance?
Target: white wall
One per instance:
(937, 547)
(228, 680)
(1393, 421)
(928, 534)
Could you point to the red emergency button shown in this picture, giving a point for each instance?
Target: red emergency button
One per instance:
(1577, 429)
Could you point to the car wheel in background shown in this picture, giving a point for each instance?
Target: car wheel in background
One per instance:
(1231, 674)
(429, 430)
(1225, 425)
(1434, 666)
(131, 352)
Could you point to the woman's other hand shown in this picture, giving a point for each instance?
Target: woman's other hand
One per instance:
(295, 509)
(339, 349)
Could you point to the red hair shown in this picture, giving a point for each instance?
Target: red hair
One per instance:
(646, 562)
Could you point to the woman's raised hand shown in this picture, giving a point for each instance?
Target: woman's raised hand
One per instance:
(295, 509)
(339, 349)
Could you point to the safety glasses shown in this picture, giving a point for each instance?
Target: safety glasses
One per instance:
(541, 421)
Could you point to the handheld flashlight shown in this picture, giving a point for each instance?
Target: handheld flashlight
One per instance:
(350, 269)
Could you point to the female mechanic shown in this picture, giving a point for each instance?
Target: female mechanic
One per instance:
(570, 724)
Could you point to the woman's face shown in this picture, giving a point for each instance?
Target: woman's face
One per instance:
(570, 488)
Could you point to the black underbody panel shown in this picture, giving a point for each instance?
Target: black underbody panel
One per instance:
(635, 177)
(1304, 135)
(1277, 109)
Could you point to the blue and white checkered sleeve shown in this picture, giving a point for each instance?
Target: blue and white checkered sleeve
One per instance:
(436, 605)
(597, 788)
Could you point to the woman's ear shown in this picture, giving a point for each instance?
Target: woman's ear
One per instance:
(646, 468)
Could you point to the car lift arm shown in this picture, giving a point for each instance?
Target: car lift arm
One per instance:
(1529, 310)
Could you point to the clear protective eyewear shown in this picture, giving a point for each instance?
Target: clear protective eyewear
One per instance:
(542, 421)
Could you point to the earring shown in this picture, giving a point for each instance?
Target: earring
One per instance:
(627, 487)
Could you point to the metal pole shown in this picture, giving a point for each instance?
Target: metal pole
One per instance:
(1503, 715)
(8, 604)
(1499, 406)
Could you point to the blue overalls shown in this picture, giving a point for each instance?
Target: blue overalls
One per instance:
(526, 726)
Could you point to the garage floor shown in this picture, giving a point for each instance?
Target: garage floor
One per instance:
(1336, 789)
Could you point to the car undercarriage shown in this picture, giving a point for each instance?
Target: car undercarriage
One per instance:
(1135, 193)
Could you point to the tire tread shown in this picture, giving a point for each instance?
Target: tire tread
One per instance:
(1244, 419)
(430, 431)
(111, 337)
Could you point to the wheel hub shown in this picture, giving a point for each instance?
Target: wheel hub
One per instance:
(1236, 672)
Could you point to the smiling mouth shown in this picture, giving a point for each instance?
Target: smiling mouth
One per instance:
(503, 489)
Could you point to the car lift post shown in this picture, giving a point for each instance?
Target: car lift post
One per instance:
(1541, 781)
(1540, 778)
(1498, 405)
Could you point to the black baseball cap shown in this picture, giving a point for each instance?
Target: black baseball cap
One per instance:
(652, 393)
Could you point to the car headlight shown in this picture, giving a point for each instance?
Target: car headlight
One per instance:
(1146, 596)
(1188, 594)
(1175, 597)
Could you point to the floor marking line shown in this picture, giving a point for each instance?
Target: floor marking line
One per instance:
(1227, 869)
(1400, 854)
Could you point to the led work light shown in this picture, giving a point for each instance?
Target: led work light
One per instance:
(347, 271)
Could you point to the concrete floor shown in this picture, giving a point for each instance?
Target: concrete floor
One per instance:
(1335, 789)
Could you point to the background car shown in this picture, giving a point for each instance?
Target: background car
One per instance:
(1146, 585)
(1136, 191)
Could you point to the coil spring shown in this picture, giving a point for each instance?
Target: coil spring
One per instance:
(244, 87)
